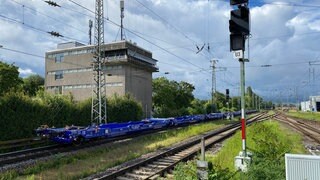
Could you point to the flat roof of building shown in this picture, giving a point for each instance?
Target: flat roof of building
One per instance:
(92, 46)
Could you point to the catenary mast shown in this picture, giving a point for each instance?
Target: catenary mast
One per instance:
(99, 106)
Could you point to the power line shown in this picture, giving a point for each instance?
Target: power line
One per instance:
(56, 34)
(21, 52)
(279, 3)
(43, 14)
(132, 32)
(19, 22)
(39, 56)
(165, 21)
(293, 4)
(176, 29)
(164, 49)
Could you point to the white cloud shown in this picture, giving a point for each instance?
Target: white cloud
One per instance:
(25, 72)
(281, 34)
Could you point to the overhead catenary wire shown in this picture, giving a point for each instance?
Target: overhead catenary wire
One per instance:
(200, 49)
(50, 17)
(165, 49)
(38, 56)
(130, 31)
(165, 21)
(36, 28)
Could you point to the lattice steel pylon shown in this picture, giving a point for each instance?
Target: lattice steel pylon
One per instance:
(99, 105)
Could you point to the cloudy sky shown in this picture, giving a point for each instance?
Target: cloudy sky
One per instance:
(285, 37)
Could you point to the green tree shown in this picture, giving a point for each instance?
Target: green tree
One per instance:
(32, 84)
(171, 98)
(9, 78)
(197, 107)
(123, 109)
(235, 103)
(220, 100)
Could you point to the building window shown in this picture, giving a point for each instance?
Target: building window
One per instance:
(58, 90)
(67, 71)
(59, 58)
(58, 75)
(114, 84)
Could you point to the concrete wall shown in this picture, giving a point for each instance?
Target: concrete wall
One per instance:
(139, 84)
(122, 76)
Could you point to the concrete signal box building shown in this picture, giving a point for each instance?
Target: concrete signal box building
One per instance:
(127, 67)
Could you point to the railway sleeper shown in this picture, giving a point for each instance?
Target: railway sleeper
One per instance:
(135, 176)
(123, 178)
(156, 176)
(156, 167)
(160, 162)
(176, 157)
(143, 171)
(168, 159)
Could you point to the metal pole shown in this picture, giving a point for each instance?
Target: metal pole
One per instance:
(243, 121)
(256, 101)
(213, 84)
(202, 149)
(122, 16)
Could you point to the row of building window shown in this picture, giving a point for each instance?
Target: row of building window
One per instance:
(67, 71)
(84, 86)
(59, 57)
(68, 53)
(59, 74)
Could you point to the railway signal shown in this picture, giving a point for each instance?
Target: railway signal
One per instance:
(227, 94)
(239, 26)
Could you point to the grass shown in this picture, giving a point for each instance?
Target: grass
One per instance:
(87, 162)
(268, 141)
(232, 146)
(315, 116)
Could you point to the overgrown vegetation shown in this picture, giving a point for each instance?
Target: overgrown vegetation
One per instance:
(315, 116)
(20, 114)
(267, 141)
(9, 78)
(98, 159)
(172, 98)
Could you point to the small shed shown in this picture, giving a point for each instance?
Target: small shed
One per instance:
(302, 167)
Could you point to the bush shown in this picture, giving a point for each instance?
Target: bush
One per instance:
(184, 171)
(270, 147)
(123, 109)
(268, 142)
(21, 114)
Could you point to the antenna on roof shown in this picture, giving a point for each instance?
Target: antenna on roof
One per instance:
(90, 30)
(122, 16)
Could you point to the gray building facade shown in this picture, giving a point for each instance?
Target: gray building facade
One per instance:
(127, 67)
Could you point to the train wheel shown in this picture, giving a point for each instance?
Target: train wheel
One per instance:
(79, 141)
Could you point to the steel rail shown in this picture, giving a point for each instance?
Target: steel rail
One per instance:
(35, 153)
(305, 129)
(157, 165)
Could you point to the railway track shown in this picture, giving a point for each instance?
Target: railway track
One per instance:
(305, 128)
(157, 165)
(20, 144)
(16, 157)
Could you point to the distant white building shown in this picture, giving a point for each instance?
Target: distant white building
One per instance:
(312, 105)
(305, 106)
